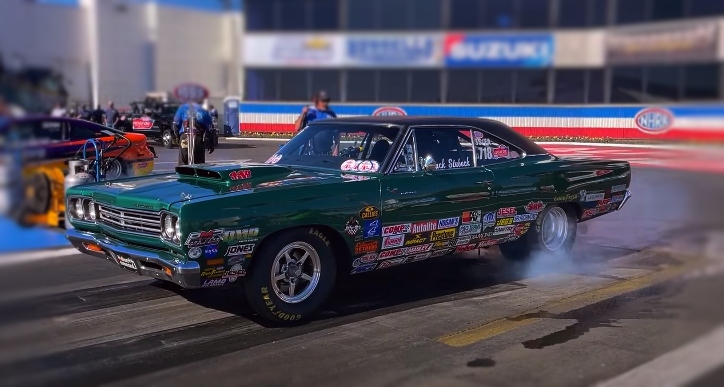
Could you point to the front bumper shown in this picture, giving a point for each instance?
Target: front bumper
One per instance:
(626, 196)
(147, 262)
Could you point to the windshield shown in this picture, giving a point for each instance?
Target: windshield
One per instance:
(346, 147)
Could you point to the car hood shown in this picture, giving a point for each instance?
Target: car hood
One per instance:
(157, 192)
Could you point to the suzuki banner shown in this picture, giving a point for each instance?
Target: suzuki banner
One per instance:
(390, 50)
(298, 50)
(495, 50)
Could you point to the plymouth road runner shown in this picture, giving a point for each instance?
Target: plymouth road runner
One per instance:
(345, 196)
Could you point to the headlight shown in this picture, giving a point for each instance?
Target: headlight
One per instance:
(170, 229)
(177, 228)
(78, 210)
(91, 208)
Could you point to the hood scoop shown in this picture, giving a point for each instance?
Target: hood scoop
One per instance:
(232, 172)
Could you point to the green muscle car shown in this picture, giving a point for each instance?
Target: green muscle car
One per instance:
(345, 196)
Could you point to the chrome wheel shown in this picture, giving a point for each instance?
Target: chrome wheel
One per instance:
(114, 170)
(295, 272)
(167, 140)
(554, 230)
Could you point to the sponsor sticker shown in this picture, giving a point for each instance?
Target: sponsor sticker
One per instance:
(240, 175)
(441, 253)
(471, 216)
(244, 235)
(504, 221)
(565, 198)
(396, 229)
(364, 268)
(274, 159)
(618, 188)
(487, 243)
(211, 251)
(521, 229)
(525, 218)
(454, 164)
(468, 229)
(418, 249)
(205, 238)
(616, 198)
(389, 242)
(234, 273)
(209, 283)
(462, 241)
(213, 272)
(369, 257)
(236, 260)
(503, 230)
(449, 222)
(443, 244)
(595, 197)
(369, 212)
(391, 253)
(239, 250)
(194, 252)
(365, 247)
(240, 187)
(420, 227)
(589, 213)
(654, 120)
(126, 262)
(390, 263)
(352, 227)
(415, 240)
(442, 234)
(418, 257)
(465, 248)
(489, 219)
(506, 212)
(534, 207)
(372, 228)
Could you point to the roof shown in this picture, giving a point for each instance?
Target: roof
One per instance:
(496, 128)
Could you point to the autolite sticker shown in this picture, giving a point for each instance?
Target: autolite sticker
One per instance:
(421, 227)
(396, 229)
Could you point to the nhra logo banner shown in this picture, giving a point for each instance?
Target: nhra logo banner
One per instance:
(529, 50)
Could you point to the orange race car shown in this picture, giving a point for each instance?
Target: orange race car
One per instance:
(47, 143)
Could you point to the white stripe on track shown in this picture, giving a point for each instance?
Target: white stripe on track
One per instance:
(14, 258)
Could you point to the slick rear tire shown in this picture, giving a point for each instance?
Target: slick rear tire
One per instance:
(37, 194)
(302, 256)
(553, 234)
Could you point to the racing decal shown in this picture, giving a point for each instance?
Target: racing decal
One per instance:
(389, 242)
(211, 251)
(236, 260)
(209, 283)
(127, 262)
(369, 212)
(418, 249)
(582, 195)
(565, 198)
(420, 227)
(274, 159)
(234, 273)
(232, 237)
(503, 230)
(616, 198)
(534, 207)
(240, 175)
(442, 234)
(396, 229)
(205, 238)
(462, 241)
(444, 244)
(521, 229)
(489, 220)
(352, 227)
(364, 268)
(194, 252)
(471, 217)
(468, 229)
(391, 262)
(501, 152)
(391, 253)
(416, 240)
(360, 166)
(273, 308)
(479, 139)
(487, 243)
(418, 257)
(350, 165)
(213, 272)
(441, 253)
(506, 212)
(240, 187)
(524, 218)
(504, 221)
(618, 188)
(367, 258)
(319, 235)
(239, 250)
(454, 164)
(142, 123)
(212, 262)
(465, 248)
(448, 222)
(365, 247)
(371, 229)
(594, 197)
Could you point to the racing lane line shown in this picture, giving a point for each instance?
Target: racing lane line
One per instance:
(620, 288)
(8, 259)
(678, 367)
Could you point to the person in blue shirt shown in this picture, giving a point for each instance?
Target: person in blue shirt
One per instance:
(203, 130)
(325, 142)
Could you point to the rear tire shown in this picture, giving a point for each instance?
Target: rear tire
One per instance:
(167, 139)
(311, 267)
(37, 194)
(553, 233)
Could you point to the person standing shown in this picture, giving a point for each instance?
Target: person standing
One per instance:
(111, 115)
(85, 113)
(58, 111)
(202, 130)
(325, 142)
(98, 115)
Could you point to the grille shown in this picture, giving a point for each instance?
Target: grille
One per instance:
(144, 222)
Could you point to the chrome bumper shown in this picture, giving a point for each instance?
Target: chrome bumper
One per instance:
(148, 262)
(626, 197)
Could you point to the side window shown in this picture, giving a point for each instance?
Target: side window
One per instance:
(448, 147)
(489, 149)
(51, 130)
(78, 132)
(379, 147)
(406, 160)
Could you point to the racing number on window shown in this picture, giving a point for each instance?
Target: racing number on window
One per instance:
(488, 149)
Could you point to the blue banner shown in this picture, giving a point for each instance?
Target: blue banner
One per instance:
(404, 50)
(471, 50)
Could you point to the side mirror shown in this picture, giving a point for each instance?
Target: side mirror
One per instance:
(429, 164)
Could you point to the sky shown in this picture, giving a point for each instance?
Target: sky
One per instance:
(205, 5)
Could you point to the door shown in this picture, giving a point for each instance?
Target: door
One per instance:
(435, 211)
(231, 117)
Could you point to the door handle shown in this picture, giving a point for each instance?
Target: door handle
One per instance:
(486, 183)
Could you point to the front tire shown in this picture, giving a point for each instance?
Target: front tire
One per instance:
(167, 139)
(292, 276)
(553, 233)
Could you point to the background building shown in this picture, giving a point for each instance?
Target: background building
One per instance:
(485, 51)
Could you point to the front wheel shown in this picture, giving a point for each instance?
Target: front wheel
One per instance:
(553, 233)
(290, 283)
(167, 139)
